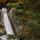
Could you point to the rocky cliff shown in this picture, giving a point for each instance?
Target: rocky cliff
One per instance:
(4, 1)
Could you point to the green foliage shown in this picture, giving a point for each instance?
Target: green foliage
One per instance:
(29, 15)
(33, 1)
(12, 5)
(30, 19)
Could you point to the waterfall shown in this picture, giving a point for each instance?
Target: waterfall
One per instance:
(6, 22)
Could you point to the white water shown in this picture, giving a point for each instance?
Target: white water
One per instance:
(7, 23)
(4, 37)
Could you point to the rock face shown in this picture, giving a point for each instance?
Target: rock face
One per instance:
(4, 1)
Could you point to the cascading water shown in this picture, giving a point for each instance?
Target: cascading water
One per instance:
(7, 23)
